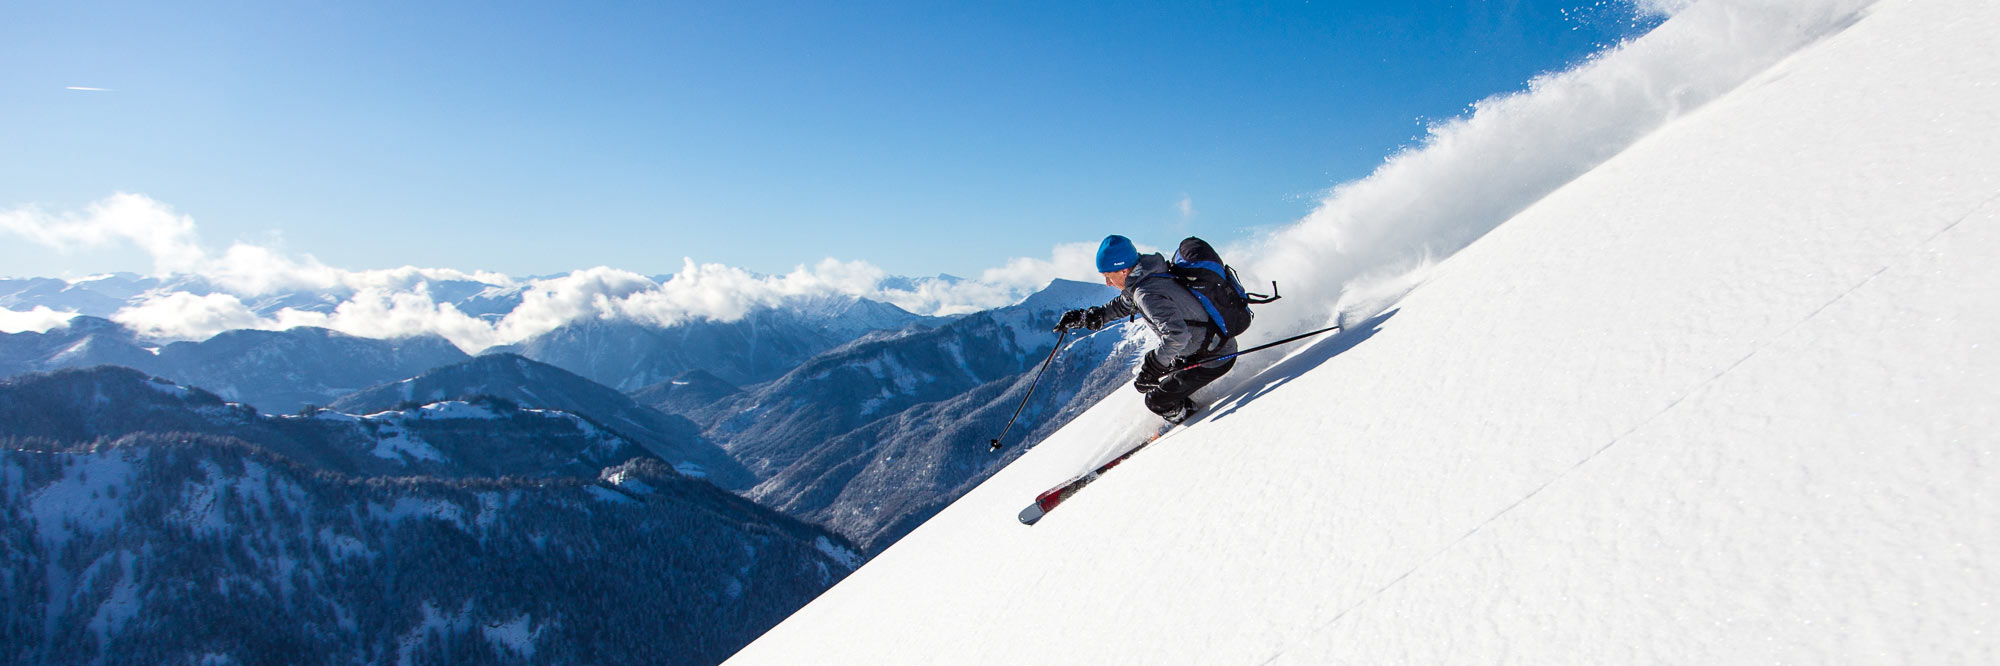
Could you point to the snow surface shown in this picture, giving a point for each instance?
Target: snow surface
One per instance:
(85, 500)
(604, 494)
(457, 409)
(168, 388)
(407, 508)
(1728, 397)
(123, 604)
(394, 443)
(844, 556)
(435, 623)
(627, 482)
(199, 510)
(516, 636)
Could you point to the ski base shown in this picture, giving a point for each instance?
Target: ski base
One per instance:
(1049, 499)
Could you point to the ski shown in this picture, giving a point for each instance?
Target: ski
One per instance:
(1047, 501)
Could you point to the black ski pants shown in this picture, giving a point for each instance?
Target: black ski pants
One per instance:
(1176, 387)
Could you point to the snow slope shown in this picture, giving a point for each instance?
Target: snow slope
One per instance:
(1728, 397)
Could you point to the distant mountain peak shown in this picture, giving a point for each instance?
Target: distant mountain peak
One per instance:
(1068, 294)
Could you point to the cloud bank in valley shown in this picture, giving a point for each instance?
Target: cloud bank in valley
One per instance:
(203, 293)
(38, 318)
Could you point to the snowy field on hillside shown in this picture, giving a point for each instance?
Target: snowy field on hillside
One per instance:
(1728, 396)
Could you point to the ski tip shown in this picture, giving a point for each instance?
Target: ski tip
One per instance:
(1032, 513)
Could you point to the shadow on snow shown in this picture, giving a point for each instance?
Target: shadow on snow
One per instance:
(1291, 368)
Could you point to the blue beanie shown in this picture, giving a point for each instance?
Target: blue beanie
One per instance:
(1116, 254)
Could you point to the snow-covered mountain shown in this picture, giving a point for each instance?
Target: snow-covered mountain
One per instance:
(690, 392)
(764, 344)
(868, 437)
(1726, 398)
(85, 342)
(877, 482)
(774, 425)
(483, 436)
(290, 369)
(152, 523)
(541, 386)
(283, 370)
(99, 297)
(277, 371)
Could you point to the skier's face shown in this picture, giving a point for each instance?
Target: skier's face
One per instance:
(1117, 278)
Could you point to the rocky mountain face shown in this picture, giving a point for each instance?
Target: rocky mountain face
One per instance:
(152, 523)
(774, 424)
(877, 482)
(884, 426)
(536, 385)
(691, 391)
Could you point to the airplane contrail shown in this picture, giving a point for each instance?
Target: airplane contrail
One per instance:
(88, 88)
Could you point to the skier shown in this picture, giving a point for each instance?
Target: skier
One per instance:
(1186, 330)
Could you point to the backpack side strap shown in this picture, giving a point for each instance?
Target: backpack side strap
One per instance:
(1260, 299)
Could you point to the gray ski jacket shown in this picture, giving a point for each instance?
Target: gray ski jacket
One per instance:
(1172, 312)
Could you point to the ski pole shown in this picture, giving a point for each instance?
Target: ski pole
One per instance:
(995, 444)
(1240, 352)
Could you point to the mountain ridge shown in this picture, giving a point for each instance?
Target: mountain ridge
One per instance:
(408, 534)
(539, 385)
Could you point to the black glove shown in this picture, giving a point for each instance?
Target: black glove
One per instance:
(1150, 373)
(1071, 319)
(1090, 318)
(1093, 318)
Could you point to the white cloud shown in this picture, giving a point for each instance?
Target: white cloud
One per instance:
(39, 319)
(250, 269)
(376, 313)
(999, 286)
(121, 218)
(581, 295)
(171, 239)
(184, 316)
(402, 302)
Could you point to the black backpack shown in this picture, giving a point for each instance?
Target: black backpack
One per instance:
(1199, 267)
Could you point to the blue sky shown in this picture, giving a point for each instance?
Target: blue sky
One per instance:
(922, 137)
